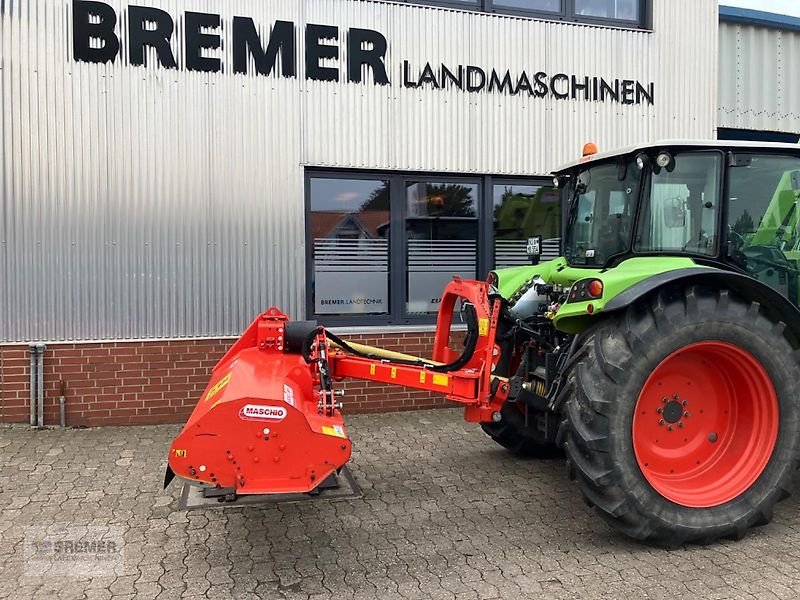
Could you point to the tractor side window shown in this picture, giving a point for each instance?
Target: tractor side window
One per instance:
(763, 225)
(680, 207)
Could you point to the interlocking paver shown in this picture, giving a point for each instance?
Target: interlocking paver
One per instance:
(445, 514)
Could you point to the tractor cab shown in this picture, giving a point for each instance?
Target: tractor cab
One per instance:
(730, 205)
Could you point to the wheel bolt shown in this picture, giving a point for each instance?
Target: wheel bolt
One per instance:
(712, 437)
(675, 396)
(680, 424)
(659, 410)
(665, 400)
(686, 414)
(684, 402)
(669, 428)
(661, 422)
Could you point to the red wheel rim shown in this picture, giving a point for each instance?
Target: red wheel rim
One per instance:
(705, 424)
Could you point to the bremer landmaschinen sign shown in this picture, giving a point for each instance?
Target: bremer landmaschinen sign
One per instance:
(96, 38)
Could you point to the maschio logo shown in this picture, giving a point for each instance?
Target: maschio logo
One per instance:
(257, 412)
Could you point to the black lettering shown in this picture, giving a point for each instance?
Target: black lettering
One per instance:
(246, 41)
(196, 41)
(577, 87)
(605, 88)
(645, 93)
(83, 32)
(523, 83)
(627, 91)
(594, 88)
(158, 38)
(496, 84)
(357, 56)
(540, 83)
(428, 76)
(457, 81)
(554, 89)
(475, 87)
(406, 81)
(316, 51)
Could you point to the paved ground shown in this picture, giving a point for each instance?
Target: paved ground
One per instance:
(445, 514)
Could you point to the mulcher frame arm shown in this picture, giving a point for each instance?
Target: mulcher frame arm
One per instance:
(472, 384)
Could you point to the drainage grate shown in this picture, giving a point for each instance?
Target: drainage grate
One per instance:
(345, 488)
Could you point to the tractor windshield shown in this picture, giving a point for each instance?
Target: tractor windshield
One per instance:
(602, 200)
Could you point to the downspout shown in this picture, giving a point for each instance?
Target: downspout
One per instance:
(40, 390)
(62, 386)
(32, 350)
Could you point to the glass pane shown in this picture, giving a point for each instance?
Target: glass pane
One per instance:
(763, 221)
(622, 10)
(600, 215)
(350, 237)
(679, 213)
(538, 5)
(520, 212)
(442, 232)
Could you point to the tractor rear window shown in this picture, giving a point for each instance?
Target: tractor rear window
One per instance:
(680, 206)
(600, 213)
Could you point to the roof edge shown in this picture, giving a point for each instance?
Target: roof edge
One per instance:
(748, 16)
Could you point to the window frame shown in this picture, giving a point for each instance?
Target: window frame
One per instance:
(567, 13)
(398, 242)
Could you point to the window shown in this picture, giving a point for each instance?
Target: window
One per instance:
(442, 236)
(349, 222)
(553, 6)
(623, 13)
(763, 225)
(384, 246)
(601, 213)
(680, 208)
(521, 211)
(618, 10)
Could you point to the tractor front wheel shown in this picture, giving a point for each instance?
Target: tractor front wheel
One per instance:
(682, 421)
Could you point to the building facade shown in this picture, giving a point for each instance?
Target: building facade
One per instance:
(170, 168)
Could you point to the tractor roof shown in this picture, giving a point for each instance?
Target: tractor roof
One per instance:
(710, 144)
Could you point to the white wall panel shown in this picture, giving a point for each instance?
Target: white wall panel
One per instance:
(140, 202)
(759, 83)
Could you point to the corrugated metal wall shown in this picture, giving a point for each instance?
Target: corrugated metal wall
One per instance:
(142, 202)
(759, 83)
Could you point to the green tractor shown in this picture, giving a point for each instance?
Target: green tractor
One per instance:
(661, 350)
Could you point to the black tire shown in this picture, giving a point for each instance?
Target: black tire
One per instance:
(522, 440)
(603, 386)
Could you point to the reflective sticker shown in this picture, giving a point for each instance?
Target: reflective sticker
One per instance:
(372, 369)
(218, 386)
(483, 326)
(179, 453)
(439, 379)
(259, 412)
(336, 431)
(422, 376)
(288, 394)
(394, 372)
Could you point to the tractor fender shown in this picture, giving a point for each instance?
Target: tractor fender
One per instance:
(778, 307)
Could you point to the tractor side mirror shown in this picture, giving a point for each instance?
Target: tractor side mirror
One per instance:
(675, 213)
(534, 249)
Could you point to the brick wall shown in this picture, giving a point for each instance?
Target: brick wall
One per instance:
(135, 383)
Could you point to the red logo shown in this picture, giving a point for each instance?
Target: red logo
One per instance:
(260, 412)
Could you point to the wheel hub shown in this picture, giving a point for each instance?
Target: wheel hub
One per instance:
(673, 411)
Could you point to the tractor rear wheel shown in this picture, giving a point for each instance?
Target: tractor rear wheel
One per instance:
(682, 421)
(525, 438)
